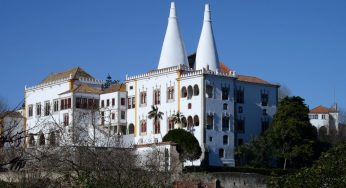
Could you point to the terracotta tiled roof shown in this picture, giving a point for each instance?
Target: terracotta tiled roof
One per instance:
(75, 72)
(83, 88)
(321, 110)
(224, 68)
(115, 88)
(252, 79)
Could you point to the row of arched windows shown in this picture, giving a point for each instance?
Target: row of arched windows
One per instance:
(189, 91)
(186, 123)
(41, 141)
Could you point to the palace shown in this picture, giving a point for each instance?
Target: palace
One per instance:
(221, 108)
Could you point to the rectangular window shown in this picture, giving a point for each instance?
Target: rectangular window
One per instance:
(133, 102)
(157, 127)
(78, 102)
(170, 93)
(84, 103)
(122, 102)
(113, 116)
(157, 95)
(113, 101)
(240, 125)
(264, 98)
(38, 109)
(209, 91)
(102, 103)
(122, 115)
(47, 108)
(143, 98)
(56, 105)
(323, 116)
(129, 103)
(240, 95)
(225, 123)
(30, 110)
(225, 92)
(107, 102)
(210, 121)
(65, 103)
(221, 153)
(66, 119)
(225, 139)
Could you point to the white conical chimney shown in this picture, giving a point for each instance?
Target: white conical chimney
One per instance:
(173, 51)
(206, 54)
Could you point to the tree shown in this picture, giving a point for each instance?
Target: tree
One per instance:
(177, 118)
(328, 171)
(187, 144)
(256, 154)
(291, 135)
(155, 114)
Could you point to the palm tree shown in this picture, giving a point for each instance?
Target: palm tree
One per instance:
(156, 115)
(177, 118)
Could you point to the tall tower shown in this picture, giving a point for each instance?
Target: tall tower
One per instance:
(173, 51)
(206, 55)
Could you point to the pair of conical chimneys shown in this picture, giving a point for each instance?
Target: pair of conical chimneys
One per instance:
(173, 51)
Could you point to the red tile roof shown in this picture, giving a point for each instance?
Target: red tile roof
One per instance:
(244, 78)
(75, 72)
(321, 110)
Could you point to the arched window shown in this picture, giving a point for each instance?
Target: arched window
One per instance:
(183, 92)
(189, 92)
(184, 122)
(131, 129)
(143, 126)
(196, 120)
(32, 140)
(322, 132)
(221, 153)
(225, 139)
(195, 90)
(157, 127)
(189, 122)
(42, 140)
(170, 124)
(52, 139)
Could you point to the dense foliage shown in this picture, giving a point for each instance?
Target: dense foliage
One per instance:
(328, 171)
(187, 145)
(290, 140)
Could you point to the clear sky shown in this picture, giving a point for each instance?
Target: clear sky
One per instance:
(298, 43)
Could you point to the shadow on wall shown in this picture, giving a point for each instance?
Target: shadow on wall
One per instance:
(214, 159)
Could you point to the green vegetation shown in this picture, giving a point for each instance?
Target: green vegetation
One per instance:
(155, 114)
(187, 144)
(291, 141)
(328, 171)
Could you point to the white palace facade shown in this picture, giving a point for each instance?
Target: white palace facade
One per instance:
(221, 108)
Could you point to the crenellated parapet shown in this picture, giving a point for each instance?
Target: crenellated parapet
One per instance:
(159, 72)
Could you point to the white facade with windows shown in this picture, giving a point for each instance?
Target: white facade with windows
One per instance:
(324, 119)
(222, 109)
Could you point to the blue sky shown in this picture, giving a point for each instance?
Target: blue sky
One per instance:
(298, 43)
